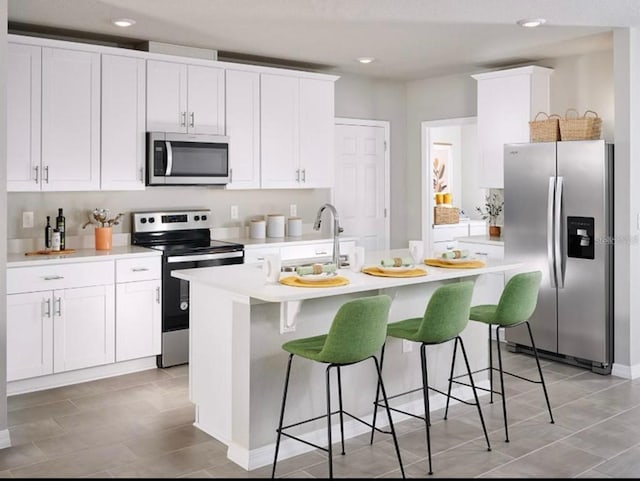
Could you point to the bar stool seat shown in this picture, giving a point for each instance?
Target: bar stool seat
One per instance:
(357, 333)
(446, 316)
(516, 305)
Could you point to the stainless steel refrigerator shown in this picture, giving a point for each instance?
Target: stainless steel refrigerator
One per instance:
(558, 218)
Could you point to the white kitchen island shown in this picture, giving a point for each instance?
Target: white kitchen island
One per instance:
(238, 324)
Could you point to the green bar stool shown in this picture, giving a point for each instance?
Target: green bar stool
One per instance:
(357, 333)
(516, 305)
(446, 316)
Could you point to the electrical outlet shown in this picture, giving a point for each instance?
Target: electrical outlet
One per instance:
(234, 212)
(293, 210)
(407, 346)
(27, 220)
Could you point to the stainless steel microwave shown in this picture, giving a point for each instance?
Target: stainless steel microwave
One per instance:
(187, 159)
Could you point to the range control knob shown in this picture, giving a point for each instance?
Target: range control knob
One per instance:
(152, 220)
(196, 218)
(204, 217)
(143, 220)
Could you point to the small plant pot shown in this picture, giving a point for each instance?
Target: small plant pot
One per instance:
(495, 231)
(104, 238)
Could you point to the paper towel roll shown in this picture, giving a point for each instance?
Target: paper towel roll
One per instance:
(275, 225)
(294, 227)
(257, 229)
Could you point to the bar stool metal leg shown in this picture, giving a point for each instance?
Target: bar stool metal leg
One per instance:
(329, 449)
(503, 395)
(425, 398)
(341, 410)
(284, 400)
(544, 387)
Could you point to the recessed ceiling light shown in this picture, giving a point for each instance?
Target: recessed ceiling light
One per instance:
(365, 59)
(531, 22)
(124, 22)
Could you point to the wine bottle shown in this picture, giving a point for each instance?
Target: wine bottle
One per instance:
(60, 221)
(48, 231)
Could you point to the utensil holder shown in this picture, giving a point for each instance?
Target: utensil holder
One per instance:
(104, 238)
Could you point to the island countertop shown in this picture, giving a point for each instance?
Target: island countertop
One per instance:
(249, 280)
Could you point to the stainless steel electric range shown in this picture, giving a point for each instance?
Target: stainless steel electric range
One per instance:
(184, 237)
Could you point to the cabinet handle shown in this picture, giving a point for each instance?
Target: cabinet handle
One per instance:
(230, 176)
(304, 175)
(141, 174)
(297, 175)
(47, 313)
(53, 278)
(46, 171)
(157, 295)
(192, 121)
(183, 119)
(322, 253)
(59, 311)
(140, 269)
(36, 168)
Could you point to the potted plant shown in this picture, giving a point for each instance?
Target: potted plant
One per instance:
(492, 209)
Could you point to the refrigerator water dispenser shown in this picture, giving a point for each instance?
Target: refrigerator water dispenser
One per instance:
(580, 235)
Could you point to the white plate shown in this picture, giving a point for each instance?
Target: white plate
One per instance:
(396, 269)
(316, 277)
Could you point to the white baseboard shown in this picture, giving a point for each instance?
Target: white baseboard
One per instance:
(80, 375)
(5, 439)
(626, 372)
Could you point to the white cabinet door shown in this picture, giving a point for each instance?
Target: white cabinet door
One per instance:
(507, 101)
(316, 133)
(70, 120)
(279, 127)
(83, 327)
(123, 123)
(23, 114)
(256, 254)
(488, 287)
(205, 100)
(166, 96)
(184, 98)
(243, 128)
(29, 335)
(138, 322)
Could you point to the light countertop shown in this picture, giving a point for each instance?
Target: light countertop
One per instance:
(80, 255)
(249, 279)
(482, 239)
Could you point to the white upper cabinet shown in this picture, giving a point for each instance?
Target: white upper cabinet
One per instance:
(296, 124)
(24, 170)
(70, 120)
(123, 123)
(53, 107)
(185, 98)
(243, 128)
(507, 101)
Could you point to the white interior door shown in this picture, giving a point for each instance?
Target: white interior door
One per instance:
(361, 192)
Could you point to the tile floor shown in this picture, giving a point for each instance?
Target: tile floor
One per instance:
(140, 425)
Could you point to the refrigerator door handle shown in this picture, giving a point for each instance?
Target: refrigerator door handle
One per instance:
(558, 229)
(551, 233)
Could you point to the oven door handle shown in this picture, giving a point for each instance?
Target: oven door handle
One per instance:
(204, 257)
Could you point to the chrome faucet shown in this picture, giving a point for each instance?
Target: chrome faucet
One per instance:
(336, 230)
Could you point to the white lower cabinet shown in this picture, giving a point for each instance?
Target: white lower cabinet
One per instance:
(488, 287)
(295, 250)
(138, 308)
(58, 330)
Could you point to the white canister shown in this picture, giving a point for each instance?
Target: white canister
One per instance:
(275, 225)
(294, 227)
(257, 229)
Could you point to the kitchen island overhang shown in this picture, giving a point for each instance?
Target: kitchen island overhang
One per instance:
(238, 324)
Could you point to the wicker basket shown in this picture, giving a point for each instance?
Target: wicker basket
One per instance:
(580, 128)
(446, 215)
(545, 130)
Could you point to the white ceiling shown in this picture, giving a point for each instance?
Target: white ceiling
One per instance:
(410, 39)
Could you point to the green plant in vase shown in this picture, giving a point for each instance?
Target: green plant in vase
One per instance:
(492, 208)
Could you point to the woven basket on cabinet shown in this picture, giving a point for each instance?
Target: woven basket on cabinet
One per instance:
(446, 215)
(580, 128)
(545, 130)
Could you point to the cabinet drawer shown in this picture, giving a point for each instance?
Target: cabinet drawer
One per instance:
(138, 269)
(252, 256)
(449, 233)
(491, 251)
(59, 276)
